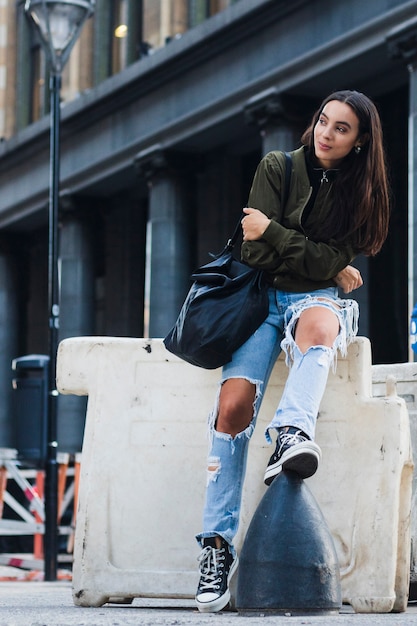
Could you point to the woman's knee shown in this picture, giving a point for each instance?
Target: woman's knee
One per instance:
(236, 402)
(316, 326)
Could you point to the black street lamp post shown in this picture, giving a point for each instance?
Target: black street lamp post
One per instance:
(59, 23)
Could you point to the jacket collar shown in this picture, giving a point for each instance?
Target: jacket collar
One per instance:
(316, 174)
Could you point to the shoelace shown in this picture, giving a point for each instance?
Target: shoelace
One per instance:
(209, 564)
(290, 439)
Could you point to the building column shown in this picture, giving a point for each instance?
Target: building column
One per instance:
(9, 285)
(76, 316)
(169, 236)
(278, 119)
(124, 241)
(402, 46)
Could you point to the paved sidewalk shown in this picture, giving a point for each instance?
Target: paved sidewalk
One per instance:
(50, 604)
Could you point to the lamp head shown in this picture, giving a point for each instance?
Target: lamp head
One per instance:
(59, 23)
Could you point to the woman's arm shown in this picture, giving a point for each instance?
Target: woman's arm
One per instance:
(270, 246)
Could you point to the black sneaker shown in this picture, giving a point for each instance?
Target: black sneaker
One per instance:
(295, 452)
(217, 566)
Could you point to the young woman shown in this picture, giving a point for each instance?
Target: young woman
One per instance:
(338, 207)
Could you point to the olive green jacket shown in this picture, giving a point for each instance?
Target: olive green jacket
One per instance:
(292, 261)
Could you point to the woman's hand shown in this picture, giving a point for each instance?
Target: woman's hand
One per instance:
(348, 279)
(254, 224)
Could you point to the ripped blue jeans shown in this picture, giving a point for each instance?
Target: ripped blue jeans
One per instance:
(299, 404)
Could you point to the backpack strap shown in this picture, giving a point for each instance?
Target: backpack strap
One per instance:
(288, 172)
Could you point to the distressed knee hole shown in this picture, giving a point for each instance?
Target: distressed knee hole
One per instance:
(347, 312)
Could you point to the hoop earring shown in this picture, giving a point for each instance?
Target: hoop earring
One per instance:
(358, 149)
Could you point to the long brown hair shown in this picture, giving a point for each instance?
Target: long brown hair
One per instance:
(361, 187)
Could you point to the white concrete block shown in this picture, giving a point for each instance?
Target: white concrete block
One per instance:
(404, 377)
(143, 472)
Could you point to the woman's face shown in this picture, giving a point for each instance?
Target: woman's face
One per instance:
(335, 134)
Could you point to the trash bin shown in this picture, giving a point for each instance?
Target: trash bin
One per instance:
(30, 404)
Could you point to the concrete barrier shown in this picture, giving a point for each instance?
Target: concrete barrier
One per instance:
(143, 472)
(405, 376)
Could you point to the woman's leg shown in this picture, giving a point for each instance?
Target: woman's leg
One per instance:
(225, 473)
(313, 355)
(232, 422)
(226, 465)
(318, 326)
(230, 428)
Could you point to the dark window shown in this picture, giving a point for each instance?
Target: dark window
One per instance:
(117, 36)
(200, 10)
(31, 88)
(120, 33)
(162, 22)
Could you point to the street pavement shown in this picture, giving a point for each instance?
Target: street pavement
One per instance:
(38, 603)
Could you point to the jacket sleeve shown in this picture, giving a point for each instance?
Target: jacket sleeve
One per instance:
(296, 254)
(283, 250)
(265, 195)
(266, 190)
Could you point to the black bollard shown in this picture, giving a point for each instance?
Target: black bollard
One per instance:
(288, 562)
